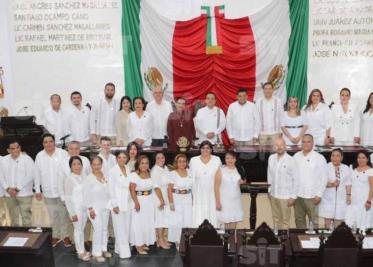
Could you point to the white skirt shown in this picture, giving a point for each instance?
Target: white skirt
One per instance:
(182, 217)
(142, 222)
(231, 209)
(161, 216)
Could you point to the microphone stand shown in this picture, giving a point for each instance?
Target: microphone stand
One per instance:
(63, 139)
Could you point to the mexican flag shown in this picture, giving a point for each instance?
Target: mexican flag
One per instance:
(212, 52)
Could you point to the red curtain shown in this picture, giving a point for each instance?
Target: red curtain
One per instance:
(195, 73)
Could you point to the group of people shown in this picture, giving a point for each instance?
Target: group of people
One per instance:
(124, 197)
(140, 204)
(159, 122)
(315, 188)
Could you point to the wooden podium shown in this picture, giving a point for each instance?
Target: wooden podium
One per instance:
(35, 252)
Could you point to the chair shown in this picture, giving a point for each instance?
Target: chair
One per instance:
(263, 249)
(341, 249)
(205, 248)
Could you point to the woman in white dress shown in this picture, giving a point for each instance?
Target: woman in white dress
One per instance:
(121, 120)
(140, 124)
(133, 152)
(346, 121)
(73, 188)
(337, 195)
(293, 122)
(228, 193)
(180, 199)
(319, 118)
(160, 175)
(142, 221)
(366, 130)
(119, 183)
(203, 169)
(359, 213)
(97, 201)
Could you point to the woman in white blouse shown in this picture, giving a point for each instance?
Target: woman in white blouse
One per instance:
(346, 121)
(73, 188)
(293, 122)
(142, 220)
(319, 118)
(121, 120)
(203, 169)
(228, 193)
(140, 124)
(97, 201)
(337, 194)
(160, 176)
(360, 212)
(367, 123)
(180, 198)
(133, 152)
(119, 183)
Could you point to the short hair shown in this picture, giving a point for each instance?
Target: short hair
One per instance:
(13, 141)
(75, 158)
(141, 99)
(345, 89)
(180, 98)
(267, 83)
(105, 138)
(205, 143)
(137, 164)
(48, 135)
(74, 142)
(110, 84)
(231, 153)
(241, 90)
(53, 95)
(122, 100)
(75, 93)
(308, 135)
(210, 93)
(339, 150)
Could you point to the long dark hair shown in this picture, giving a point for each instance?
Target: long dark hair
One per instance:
(122, 100)
(365, 153)
(309, 102)
(367, 107)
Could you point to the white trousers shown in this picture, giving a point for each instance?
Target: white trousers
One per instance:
(121, 224)
(100, 232)
(79, 231)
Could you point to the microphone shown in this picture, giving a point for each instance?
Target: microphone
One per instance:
(63, 138)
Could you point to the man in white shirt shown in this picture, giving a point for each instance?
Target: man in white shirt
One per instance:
(78, 119)
(242, 121)
(108, 159)
(102, 117)
(210, 121)
(159, 109)
(270, 110)
(312, 182)
(73, 149)
(49, 178)
(283, 181)
(17, 179)
(54, 118)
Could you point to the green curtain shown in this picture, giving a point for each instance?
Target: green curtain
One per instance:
(296, 81)
(131, 48)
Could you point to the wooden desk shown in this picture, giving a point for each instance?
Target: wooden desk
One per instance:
(37, 252)
(310, 257)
